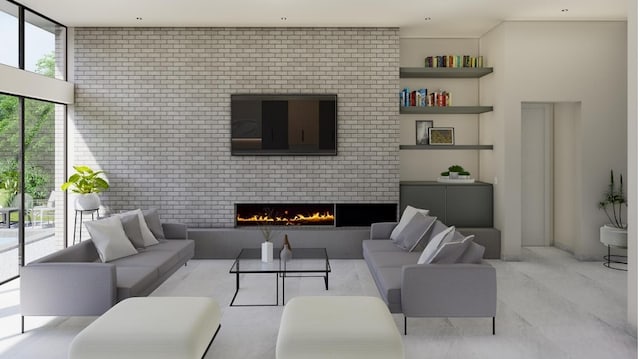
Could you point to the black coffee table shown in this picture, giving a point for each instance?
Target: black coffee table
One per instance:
(305, 262)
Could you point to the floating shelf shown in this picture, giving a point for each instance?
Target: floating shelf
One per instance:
(444, 72)
(445, 110)
(446, 147)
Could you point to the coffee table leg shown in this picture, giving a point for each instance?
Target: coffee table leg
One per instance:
(326, 280)
(237, 288)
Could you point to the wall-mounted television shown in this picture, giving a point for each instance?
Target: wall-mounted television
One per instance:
(283, 124)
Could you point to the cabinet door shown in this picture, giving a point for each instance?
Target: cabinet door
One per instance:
(426, 197)
(469, 206)
(303, 124)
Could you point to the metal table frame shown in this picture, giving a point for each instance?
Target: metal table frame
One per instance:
(279, 269)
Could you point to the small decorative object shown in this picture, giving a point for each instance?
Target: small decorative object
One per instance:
(455, 170)
(422, 132)
(286, 254)
(455, 174)
(267, 245)
(441, 136)
(87, 184)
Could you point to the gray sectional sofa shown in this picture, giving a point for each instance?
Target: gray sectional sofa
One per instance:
(428, 290)
(74, 282)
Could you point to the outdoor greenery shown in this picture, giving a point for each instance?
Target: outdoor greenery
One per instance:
(613, 201)
(38, 140)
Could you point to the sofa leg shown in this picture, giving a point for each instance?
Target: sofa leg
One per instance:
(405, 324)
(494, 325)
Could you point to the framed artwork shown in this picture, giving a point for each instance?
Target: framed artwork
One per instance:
(441, 136)
(422, 132)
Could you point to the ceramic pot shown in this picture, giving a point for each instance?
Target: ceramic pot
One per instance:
(453, 175)
(87, 201)
(613, 236)
(267, 252)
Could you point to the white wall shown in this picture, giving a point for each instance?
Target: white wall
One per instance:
(556, 62)
(632, 123)
(421, 165)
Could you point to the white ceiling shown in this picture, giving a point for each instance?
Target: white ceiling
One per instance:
(448, 18)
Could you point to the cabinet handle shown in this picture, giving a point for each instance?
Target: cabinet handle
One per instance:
(302, 135)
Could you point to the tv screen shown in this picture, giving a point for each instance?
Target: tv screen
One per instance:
(283, 124)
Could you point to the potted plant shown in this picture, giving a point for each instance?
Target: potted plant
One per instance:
(454, 171)
(614, 233)
(87, 183)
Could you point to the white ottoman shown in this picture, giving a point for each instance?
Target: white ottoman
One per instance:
(338, 327)
(150, 327)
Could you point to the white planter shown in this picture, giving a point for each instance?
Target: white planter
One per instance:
(613, 236)
(453, 175)
(88, 201)
(267, 252)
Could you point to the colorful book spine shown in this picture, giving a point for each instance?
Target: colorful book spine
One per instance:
(454, 61)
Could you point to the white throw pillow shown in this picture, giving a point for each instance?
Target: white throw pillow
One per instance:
(109, 238)
(407, 215)
(450, 252)
(148, 237)
(432, 247)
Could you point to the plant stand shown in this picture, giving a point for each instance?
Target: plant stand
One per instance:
(81, 212)
(613, 258)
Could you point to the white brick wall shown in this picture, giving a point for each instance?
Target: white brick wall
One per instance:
(153, 110)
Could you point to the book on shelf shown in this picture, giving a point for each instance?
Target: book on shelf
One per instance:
(454, 61)
(422, 98)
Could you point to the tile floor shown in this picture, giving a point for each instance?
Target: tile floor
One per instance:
(549, 306)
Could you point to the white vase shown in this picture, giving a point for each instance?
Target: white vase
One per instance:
(267, 252)
(453, 175)
(613, 236)
(87, 201)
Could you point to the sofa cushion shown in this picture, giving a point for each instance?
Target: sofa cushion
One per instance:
(414, 232)
(131, 225)
(152, 218)
(430, 250)
(389, 281)
(147, 235)
(407, 215)
(182, 248)
(393, 259)
(135, 281)
(473, 254)
(378, 245)
(110, 239)
(162, 260)
(450, 252)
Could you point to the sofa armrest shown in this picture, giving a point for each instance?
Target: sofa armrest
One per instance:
(449, 290)
(174, 230)
(67, 289)
(382, 230)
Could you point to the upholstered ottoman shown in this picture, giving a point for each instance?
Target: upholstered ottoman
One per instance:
(150, 327)
(338, 327)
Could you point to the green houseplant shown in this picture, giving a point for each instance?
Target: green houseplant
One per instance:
(614, 233)
(87, 183)
(455, 170)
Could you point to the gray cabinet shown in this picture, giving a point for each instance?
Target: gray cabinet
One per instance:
(460, 205)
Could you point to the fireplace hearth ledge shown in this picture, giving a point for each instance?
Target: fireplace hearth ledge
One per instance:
(225, 243)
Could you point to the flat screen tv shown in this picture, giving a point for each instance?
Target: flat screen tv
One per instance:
(283, 124)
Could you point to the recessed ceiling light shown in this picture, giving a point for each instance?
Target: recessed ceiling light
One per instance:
(284, 18)
(564, 10)
(139, 18)
(427, 18)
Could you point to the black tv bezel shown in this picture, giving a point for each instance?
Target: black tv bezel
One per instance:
(318, 96)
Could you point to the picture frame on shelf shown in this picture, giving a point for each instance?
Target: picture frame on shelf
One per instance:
(441, 136)
(422, 131)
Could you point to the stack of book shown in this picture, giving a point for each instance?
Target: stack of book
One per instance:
(422, 98)
(454, 61)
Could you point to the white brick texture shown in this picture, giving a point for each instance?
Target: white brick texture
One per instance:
(153, 110)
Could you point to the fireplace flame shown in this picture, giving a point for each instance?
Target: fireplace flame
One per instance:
(315, 218)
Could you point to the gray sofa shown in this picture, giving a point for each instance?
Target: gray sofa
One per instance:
(428, 290)
(74, 282)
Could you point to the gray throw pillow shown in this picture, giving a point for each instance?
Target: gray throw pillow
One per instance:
(131, 225)
(473, 254)
(109, 238)
(450, 252)
(413, 232)
(152, 218)
(436, 228)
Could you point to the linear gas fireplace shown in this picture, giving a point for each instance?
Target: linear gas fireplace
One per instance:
(284, 214)
(314, 214)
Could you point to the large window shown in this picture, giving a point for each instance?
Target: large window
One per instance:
(31, 142)
(8, 34)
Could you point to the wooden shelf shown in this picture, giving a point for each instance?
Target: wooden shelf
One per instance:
(446, 147)
(445, 110)
(444, 72)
